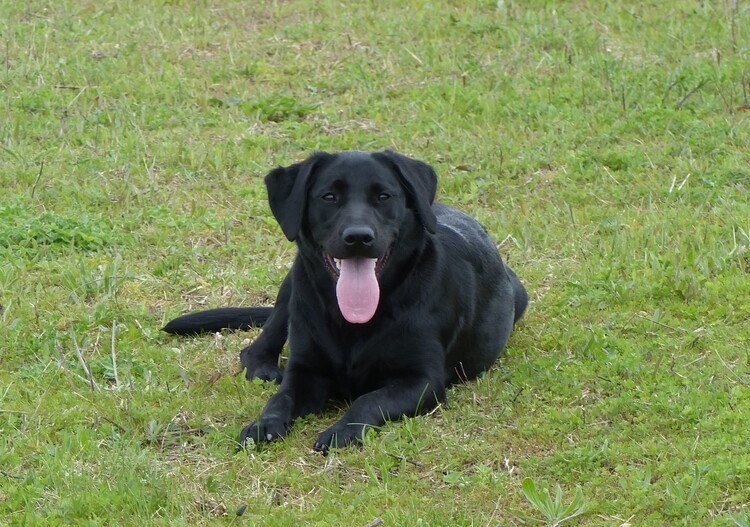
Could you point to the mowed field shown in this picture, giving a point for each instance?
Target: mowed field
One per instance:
(605, 146)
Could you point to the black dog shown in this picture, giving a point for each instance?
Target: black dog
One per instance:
(391, 297)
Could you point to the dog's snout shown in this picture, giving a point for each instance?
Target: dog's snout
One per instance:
(358, 236)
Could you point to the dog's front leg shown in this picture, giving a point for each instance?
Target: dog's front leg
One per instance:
(261, 358)
(302, 392)
(400, 398)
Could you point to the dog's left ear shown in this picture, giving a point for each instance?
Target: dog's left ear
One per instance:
(287, 192)
(419, 180)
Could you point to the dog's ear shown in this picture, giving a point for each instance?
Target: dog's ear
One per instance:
(287, 193)
(419, 180)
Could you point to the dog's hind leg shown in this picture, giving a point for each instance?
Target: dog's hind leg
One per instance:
(261, 358)
(520, 296)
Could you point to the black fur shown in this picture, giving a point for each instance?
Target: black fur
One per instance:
(447, 301)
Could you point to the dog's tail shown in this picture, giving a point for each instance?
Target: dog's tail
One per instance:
(213, 320)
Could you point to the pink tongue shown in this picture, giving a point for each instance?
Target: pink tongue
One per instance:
(357, 289)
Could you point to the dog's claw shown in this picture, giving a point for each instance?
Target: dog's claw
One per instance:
(271, 374)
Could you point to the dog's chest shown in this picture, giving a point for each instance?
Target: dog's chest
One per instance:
(357, 365)
(357, 370)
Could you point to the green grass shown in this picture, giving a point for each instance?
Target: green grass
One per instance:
(603, 144)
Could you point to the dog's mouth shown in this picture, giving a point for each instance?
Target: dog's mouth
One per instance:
(357, 287)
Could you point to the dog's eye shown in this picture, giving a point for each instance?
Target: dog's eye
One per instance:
(384, 196)
(329, 197)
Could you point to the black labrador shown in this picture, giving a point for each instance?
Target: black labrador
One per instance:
(391, 298)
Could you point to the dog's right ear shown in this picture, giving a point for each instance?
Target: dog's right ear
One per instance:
(287, 192)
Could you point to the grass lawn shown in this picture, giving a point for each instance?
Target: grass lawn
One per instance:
(605, 145)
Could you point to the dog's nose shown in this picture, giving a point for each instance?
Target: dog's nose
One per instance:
(353, 236)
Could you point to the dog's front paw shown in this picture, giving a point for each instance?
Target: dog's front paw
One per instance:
(265, 373)
(264, 429)
(260, 365)
(339, 436)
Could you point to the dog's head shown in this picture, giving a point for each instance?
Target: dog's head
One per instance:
(352, 207)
